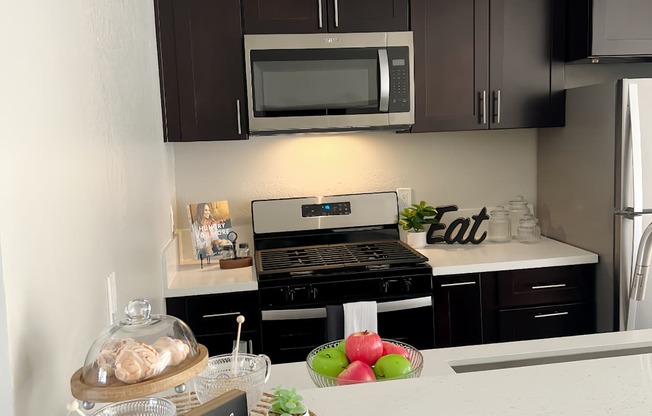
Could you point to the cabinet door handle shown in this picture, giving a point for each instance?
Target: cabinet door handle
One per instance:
(337, 14)
(497, 106)
(218, 315)
(458, 284)
(321, 21)
(549, 315)
(482, 103)
(289, 314)
(549, 286)
(237, 106)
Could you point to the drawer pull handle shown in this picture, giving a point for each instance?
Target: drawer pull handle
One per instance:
(458, 284)
(550, 315)
(217, 315)
(549, 286)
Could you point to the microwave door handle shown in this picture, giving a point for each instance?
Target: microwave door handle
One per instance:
(383, 63)
(321, 22)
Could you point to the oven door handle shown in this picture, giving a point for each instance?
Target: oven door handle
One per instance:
(401, 305)
(291, 314)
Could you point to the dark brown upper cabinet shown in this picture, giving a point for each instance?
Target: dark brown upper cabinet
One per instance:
(201, 68)
(313, 16)
(483, 64)
(609, 30)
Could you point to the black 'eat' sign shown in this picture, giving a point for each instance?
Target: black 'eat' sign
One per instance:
(456, 231)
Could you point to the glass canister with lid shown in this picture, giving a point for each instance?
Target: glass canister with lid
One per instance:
(499, 225)
(517, 208)
(528, 229)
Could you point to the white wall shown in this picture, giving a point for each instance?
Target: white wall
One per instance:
(85, 183)
(6, 383)
(469, 169)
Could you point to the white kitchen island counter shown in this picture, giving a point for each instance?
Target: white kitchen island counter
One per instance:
(615, 385)
(450, 259)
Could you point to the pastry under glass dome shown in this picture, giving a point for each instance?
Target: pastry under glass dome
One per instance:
(143, 355)
(139, 348)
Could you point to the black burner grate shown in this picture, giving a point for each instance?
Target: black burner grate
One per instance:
(340, 256)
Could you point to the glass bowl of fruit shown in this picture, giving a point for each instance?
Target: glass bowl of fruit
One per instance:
(363, 357)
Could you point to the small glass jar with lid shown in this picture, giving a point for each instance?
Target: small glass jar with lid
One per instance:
(499, 225)
(159, 349)
(517, 208)
(528, 229)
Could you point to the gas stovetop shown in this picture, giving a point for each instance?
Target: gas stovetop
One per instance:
(308, 260)
(331, 239)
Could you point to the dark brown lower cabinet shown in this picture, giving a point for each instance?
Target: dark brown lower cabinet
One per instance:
(545, 321)
(514, 305)
(212, 318)
(458, 313)
(545, 302)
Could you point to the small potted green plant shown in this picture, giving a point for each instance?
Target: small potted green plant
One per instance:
(286, 402)
(414, 220)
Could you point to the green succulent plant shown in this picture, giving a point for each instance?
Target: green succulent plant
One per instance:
(417, 216)
(286, 402)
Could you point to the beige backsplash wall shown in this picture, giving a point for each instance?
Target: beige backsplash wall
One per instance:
(469, 169)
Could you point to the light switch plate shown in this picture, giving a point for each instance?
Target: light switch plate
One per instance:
(404, 198)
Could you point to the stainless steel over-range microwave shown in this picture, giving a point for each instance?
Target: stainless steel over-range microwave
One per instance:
(329, 82)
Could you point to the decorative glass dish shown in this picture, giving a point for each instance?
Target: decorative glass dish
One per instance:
(149, 406)
(321, 380)
(246, 372)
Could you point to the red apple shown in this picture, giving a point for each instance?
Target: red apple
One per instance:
(391, 348)
(356, 372)
(364, 346)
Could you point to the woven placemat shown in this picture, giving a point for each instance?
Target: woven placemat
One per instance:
(184, 402)
(187, 401)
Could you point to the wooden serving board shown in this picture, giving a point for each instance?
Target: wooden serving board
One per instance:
(122, 391)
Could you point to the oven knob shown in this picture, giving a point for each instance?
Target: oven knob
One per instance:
(313, 292)
(289, 295)
(407, 284)
(385, 287)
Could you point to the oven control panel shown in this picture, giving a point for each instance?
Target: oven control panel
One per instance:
(325, 210)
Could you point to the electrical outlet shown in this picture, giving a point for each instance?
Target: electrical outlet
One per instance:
(404, 198)
(111, 297)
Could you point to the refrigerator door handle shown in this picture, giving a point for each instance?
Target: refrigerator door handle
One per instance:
(636, 147)
(630, 213)
(637, 189)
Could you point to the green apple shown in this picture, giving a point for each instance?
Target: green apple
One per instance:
(330, 362)
(392, 366)
(341, 346)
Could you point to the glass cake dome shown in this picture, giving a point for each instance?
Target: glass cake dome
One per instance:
(141, 347)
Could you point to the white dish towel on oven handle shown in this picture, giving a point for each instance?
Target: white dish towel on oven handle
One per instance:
(360, 317)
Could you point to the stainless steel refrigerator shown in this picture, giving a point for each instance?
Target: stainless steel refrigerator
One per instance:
(594, 189)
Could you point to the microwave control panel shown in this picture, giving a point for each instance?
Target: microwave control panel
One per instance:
(399, 79)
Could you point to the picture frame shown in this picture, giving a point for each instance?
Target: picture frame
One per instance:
(231, 403)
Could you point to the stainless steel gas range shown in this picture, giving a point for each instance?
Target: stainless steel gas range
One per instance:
(314, 254)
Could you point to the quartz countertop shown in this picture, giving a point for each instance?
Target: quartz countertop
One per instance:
(192, 280)
(450, 259)
(445, 259)
(614, 385)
